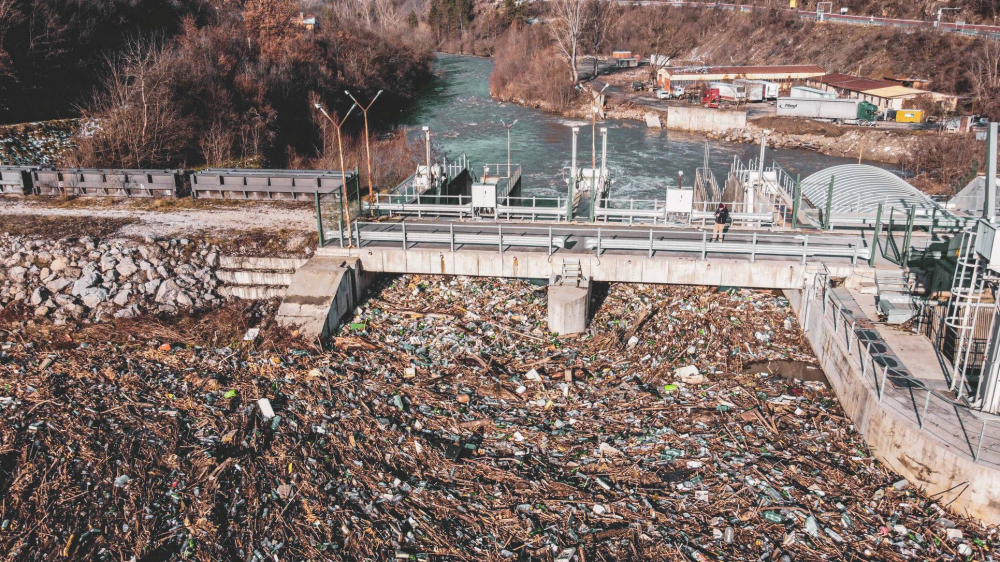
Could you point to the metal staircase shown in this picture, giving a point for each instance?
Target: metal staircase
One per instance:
(572, 273)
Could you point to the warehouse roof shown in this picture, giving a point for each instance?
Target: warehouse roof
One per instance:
(894, 92)
(853, 83)
(860, 188)
(880, 88)
(810, 69)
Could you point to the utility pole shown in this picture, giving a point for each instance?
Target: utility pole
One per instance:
(368, 151)
(343, 169)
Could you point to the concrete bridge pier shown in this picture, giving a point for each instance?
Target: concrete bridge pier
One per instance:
(569, 304)
(321, 293)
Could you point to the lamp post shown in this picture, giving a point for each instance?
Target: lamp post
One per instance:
(508, 127)
(427, 153)
(368, 152)
(343, 169)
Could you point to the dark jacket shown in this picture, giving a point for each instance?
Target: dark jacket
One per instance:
(721, 216)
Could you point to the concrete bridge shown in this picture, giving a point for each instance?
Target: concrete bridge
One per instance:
(890, 382)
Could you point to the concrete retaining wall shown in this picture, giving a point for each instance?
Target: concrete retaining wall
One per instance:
(698, 118)
(898, 442)
(763, 274)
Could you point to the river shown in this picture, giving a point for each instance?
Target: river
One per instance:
(462, 116)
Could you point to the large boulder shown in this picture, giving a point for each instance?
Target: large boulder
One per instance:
(168, 292)
(93, 296)
(126, 268)
(85, 282)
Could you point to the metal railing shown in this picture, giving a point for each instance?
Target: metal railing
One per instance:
(600, 240)
(747, 244)
(933, 412)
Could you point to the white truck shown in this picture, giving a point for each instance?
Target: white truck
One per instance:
(673, 93)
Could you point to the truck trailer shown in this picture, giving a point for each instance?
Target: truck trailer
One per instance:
(733, 93)
(755, 90)
(854, 112)
(805, 92)
(771, 89)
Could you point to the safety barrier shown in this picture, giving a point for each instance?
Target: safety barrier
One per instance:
(751, 245)
(600, 240)
(15, 180)
(107, 182)
(291, 185)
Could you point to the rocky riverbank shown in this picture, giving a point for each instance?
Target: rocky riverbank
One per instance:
(891, 147)
(84, 279)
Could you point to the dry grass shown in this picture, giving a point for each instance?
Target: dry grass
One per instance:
(156, 204)
(260, 242)
(54, 227)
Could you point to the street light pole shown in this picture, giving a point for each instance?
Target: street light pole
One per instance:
(343, 169)
(508, 127)
(368, 151)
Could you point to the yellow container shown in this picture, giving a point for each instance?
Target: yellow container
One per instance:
(909, 116)
(792, 4)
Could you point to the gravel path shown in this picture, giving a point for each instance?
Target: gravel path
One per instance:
(241, 216)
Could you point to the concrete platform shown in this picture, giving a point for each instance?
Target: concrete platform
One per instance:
(950, 452)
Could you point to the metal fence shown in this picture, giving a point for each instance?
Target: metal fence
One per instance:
(947, 420)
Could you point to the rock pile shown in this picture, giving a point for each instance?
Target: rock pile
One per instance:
(85, 279)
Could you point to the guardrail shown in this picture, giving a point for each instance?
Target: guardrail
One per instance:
(751, 245)
(292, 185)
(86, 182)
(15, 180)
(492, 235)
(942, 417)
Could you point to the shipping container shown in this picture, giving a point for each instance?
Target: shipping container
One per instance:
(755, 90)
(909, 116)
(621, 54)
(850, 111)
(735, 93)
(807, 93)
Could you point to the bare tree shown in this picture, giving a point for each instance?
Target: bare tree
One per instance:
(217, 144)
(984, 72)
(137, 121)
(600, 18)
(566, 27)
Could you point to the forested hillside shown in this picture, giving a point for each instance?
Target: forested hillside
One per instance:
(204, 81)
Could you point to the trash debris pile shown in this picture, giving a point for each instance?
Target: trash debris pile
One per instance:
(37, 143)
(87, 279)
(445, 423)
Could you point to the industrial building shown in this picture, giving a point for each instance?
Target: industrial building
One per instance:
(882, 93)
(668, 77)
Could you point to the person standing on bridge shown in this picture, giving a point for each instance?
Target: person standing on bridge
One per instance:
(721, 218)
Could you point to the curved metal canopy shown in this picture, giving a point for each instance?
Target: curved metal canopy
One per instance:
(860, 188)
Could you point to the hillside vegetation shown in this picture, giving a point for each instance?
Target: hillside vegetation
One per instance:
(196, 82)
